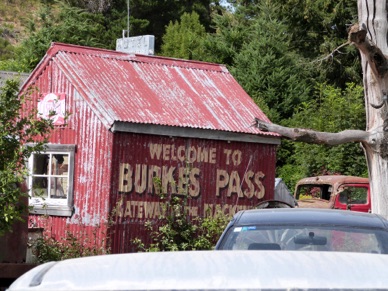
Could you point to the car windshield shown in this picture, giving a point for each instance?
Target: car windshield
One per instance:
(322, 238)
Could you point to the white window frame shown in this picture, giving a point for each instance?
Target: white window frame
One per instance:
(53, 206)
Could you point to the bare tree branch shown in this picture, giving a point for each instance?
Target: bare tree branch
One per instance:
(331, 55)
(311, 136)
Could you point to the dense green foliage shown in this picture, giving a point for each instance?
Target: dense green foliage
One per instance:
(161, 13)
(183, 39)
(15, 132)
(267, 67)
(48, 249)
(175, 230)
(334, 110)
(317, 28)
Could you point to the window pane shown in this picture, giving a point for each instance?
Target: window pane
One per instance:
(55, 169)
(309, 191)
(354, 195)
(58, 188)
(40, 164)
(39, 186)
(354, 242)
(51, 180)
(324, 238)
(59, 164)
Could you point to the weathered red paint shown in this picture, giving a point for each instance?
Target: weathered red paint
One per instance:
(135, 88)
(231, 177)
(92, 164)
(104, 87)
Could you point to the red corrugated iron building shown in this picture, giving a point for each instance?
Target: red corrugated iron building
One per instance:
(128, 126)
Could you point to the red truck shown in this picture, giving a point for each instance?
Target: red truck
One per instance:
(336, 192)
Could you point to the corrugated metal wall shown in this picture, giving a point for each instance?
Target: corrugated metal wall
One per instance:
(92, 165)
(221, 175)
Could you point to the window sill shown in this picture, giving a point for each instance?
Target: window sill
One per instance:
(53, 210)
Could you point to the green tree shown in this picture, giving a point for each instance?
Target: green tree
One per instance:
(269, 70)
(183, 40)
(94, 6)
(260, 55)
(160, 13)
(112, 18)
(317, 28)
(231, 31)
(16, 132)
(335, 110)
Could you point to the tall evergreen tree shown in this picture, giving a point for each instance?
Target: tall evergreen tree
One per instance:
(161, 13)
(184, 39)
(259, 52)
(316, 29)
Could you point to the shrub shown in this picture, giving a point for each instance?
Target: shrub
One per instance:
(47, 248)
(177, 231)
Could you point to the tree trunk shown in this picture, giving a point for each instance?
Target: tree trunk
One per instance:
(373, 20)
(370, 36)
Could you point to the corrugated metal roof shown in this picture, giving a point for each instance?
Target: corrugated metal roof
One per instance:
(155, 90)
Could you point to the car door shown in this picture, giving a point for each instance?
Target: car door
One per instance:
(354, 197)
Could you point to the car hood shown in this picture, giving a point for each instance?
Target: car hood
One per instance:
(215, 270)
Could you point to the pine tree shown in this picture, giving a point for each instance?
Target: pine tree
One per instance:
(184, 39)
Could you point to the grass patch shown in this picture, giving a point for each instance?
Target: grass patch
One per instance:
(13, 17)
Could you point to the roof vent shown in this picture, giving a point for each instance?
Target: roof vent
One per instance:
(143, 44)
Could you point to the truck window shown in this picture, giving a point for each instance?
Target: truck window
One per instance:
(313, 191)
(354, 195)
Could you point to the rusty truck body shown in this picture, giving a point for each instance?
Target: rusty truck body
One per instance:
(335, 191)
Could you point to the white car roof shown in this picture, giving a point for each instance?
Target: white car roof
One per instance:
(212, 270)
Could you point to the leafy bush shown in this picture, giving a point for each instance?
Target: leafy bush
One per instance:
(16, 131)
(176, 231)
(47, 248)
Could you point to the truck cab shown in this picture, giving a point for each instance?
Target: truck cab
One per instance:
(336, 192)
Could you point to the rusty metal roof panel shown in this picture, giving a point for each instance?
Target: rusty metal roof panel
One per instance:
(157, 90)
(333, 179)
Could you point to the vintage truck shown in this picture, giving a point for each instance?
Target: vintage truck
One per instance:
(335, 191)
